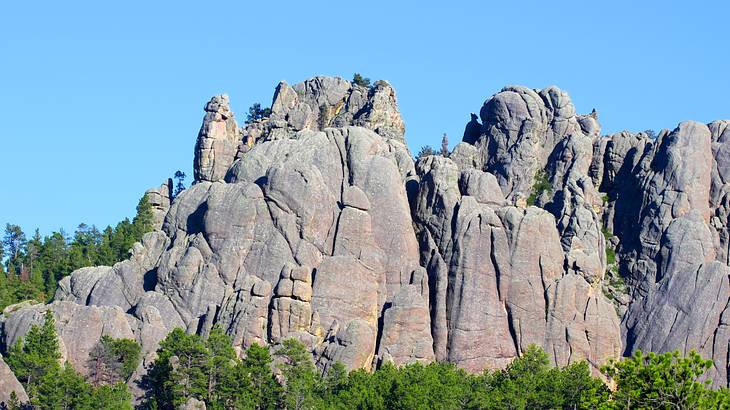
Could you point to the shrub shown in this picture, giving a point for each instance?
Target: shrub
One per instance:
(542, 184)
(361, 81)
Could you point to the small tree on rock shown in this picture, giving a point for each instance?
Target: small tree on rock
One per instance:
(425, 151)
(179, 182)
(444, 146)
(256, 113)
(361, 81)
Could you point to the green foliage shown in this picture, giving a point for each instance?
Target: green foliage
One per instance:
(180, 371)
(256, 113)
(361, 81)
(37, 355)
(610, 255)
(34, 267)
(660, 381)
(113, 360)
(265, 390)
(530, 382)
(541, 184)
(179, 183)
(425, 151)
(300, 377)
(35, 360)
(208, 370)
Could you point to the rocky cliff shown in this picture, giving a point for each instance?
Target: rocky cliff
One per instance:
(316, 223)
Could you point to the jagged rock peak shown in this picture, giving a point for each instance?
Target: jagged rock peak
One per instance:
(218, 141)
(521, 128)
(313, 105)
(159, 199)
(322, 102)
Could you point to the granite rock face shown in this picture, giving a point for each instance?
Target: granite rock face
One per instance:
(504, 275)
(316, 223)
(160, 199)
(9, 385)
(218, 141)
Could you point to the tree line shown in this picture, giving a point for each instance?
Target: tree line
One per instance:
(208, 370)
(30, 268)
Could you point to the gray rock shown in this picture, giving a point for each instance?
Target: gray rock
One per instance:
(193, 404)
(159, 199)
(9, 385)
(322, 102)
(218, 141)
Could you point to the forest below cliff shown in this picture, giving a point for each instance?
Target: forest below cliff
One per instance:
(192, 372)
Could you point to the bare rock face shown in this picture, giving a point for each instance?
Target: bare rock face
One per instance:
(323, 102)
(9, 385)
(497, 277)
(218, 141)
(541, 270)
(159, 199)
(679, 289)
(520, 129)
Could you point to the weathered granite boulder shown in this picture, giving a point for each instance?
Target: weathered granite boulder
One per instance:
(159, 199)
(322, 102)
(9, 385)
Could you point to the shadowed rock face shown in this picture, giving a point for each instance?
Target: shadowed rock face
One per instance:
(316, 223)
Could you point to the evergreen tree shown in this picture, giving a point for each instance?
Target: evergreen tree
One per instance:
(660, 381)
(14, 243)
(37, 355)
(180, 371)
(360, 80)
(256, 113)
(265, 390)
(220, 363)
(300, 378)
(113, 361)
(180, 183)
(425, 151)
(444, 146)
(64, 389)
(144, 221)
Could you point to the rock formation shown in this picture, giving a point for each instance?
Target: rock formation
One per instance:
(9, 385)
(316, 223)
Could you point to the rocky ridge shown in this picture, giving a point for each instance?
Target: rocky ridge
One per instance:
(316, 223)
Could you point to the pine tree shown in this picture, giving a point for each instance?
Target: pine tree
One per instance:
(180, 184)
(360, 80)
(14, 243)
(444, 146)
(64, 389)
(221, 361)
(295, 363)
(144, 220)
(113, 360)
(36, 355)
(264, 388)
(180, 371)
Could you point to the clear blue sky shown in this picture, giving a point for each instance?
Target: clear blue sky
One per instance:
(99, 101)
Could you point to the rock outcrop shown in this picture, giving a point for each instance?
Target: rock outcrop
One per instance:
(9, 385)
(316, 223)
